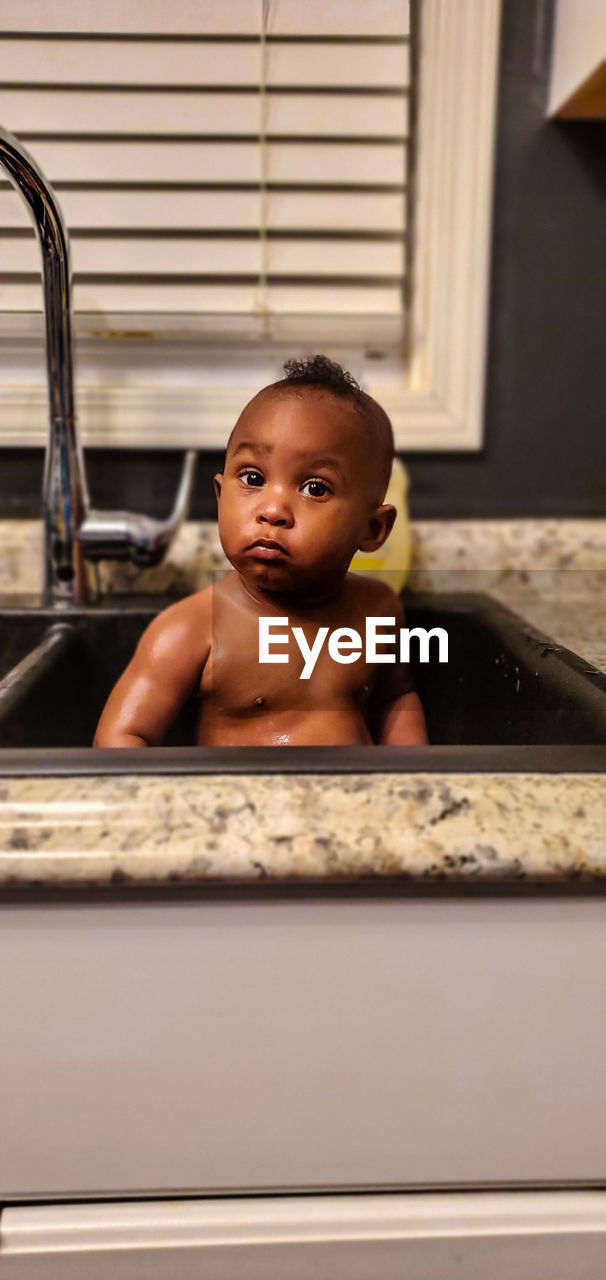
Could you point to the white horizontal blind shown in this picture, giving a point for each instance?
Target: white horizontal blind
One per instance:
(246, 157)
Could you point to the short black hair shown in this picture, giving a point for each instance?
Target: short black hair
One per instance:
(318, 373)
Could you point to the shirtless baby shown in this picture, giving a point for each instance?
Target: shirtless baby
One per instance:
(306, 471)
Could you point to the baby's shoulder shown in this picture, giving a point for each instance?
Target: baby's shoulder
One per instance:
(183, 625)
(189, 611)
(376, 597)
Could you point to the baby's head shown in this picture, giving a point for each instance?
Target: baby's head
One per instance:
(317, 379)
(306, 467)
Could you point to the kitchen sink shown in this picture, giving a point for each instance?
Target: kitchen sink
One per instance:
(507, 699)
(20, 633)
(55, 697)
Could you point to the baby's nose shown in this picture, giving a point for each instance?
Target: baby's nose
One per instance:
(275, 507)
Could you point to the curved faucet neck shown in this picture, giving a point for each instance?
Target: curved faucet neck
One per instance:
(65, 494)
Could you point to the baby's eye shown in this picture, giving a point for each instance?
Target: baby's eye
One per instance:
(252, 479)
(317, 488)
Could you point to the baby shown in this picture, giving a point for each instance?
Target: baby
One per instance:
(306, 471)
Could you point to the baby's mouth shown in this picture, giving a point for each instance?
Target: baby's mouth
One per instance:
(268, 549)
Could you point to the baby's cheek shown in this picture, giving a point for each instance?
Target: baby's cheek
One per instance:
(339, 532)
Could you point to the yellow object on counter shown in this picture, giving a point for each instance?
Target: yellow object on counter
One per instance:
(392, 562)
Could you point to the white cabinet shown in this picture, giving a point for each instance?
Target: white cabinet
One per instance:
(216, 1045)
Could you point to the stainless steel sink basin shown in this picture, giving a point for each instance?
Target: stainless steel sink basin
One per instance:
(508, 698)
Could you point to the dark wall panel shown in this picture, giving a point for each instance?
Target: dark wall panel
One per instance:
(545, 423)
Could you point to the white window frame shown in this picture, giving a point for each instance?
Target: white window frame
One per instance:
(438, 402)
(440, 405)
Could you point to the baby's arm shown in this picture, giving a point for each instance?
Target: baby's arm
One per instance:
(165, 669)
(403, 722)
(398, 718)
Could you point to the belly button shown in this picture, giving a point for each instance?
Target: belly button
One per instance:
(259, 702)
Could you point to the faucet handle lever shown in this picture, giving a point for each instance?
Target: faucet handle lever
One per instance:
(123, 535)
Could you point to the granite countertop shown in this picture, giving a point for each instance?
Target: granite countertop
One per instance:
(418, 827)
(146, 829)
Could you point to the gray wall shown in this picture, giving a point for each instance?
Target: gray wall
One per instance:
(545, 439)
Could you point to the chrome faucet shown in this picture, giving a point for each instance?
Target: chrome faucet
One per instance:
(73, 532)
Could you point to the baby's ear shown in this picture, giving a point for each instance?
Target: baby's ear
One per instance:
(217, 483)
(380, 526)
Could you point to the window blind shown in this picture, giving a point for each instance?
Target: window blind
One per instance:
(246, 158)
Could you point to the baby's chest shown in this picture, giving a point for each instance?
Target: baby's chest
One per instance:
(305, 675)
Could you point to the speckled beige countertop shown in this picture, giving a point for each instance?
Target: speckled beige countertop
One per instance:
(104, 830)
(99, 830)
